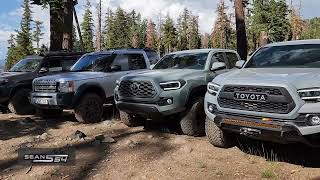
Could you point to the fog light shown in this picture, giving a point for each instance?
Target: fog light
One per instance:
(211, 108)
(314, 120)
(169, 101)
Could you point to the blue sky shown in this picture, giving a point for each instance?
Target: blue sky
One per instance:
(10, 13)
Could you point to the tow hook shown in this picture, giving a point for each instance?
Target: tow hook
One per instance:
(249, 132)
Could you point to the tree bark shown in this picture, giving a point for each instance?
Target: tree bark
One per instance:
(99, 34)
(242, 42)
(56, 33)
(67, 43)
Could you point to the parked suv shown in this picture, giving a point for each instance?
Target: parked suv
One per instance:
(90, 84)
(274, 97)
(174, 88)
(16, 84)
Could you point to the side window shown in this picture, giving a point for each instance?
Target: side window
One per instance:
(122, 60)
(68, 62)
(136, 61)
(232, 58)
(218, 57)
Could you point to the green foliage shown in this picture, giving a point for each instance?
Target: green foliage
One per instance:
(37, 34)
(75, 39)
(182, 30)
(312, 30)
(169, 38)
(23, 45)
(222, 31)
(87, 29)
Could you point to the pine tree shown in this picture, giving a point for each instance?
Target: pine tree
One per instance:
(194, 39)
(24, 37)
(296, 23)
(121, 27)
(109, 31)
(169, 35)
(279, 27)
(76, 41)
(205, 41)
(312, 30)
(151, 35)
(37, 34)
(221, 35)
(87, 29)
(133, 21)
(12, 52)
(182, 30)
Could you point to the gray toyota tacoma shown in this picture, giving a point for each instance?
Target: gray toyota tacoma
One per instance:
(274, 97)
(174, 89)
(90, 84)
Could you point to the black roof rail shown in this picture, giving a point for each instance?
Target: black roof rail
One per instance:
(61, 53)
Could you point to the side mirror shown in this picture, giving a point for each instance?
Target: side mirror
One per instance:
(43, 70)
(240, 63)
(115, 68)
(218, 66)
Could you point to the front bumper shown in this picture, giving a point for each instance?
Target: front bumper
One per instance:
(53, 100)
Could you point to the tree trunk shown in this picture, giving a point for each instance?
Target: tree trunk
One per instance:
(98, 35)
(264, 38)
(67, 25)
(242, 42)
(56, 33)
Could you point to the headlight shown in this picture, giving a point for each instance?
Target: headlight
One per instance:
(213, 88)
(66, 87)
(172, 85)
(310, 94)
(3, 81)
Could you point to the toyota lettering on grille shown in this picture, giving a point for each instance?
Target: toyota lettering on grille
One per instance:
(134, 87)
(250, 97)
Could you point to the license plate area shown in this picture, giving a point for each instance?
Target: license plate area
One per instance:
(42, 101)
(252, 124)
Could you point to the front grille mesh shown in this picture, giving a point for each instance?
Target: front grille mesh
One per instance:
(254, 106)
(45, 86)
(226, 99)
(138, 89)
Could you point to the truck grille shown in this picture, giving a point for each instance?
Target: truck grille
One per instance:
(139, 89)
(45, 86)
(279, 100)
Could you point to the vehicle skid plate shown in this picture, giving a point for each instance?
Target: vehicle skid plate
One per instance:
(252, 124)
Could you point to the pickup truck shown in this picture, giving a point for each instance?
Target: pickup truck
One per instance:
(16, 84)
(90, 84)
(174, 89)
(274, 97)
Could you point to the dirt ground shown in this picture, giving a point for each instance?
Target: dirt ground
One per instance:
(141, 154)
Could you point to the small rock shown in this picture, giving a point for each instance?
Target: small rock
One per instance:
(294, 171)
(187, 149)
(44, 136)
(149, 136)
(104, 139)
(79, 135)
(26, 121)
(131, 143)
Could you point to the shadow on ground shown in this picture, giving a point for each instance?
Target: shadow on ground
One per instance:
(298, 154)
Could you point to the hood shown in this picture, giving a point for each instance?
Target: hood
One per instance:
(298, 77)
(10, 75)
(162, 75)
(74, 76)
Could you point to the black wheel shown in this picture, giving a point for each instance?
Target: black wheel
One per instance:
(19, 103)
(130, 120)
(49, 113)
(217, 136)
(89, 109)
(193, 123)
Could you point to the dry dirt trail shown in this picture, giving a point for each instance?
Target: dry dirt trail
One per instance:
(140, 154)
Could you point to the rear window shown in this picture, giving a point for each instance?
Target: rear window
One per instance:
(153, 57)
(291, 56)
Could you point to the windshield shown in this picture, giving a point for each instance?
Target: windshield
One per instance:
(26, 65)
(183, 61)
(153, 57)
(291, 56)
(93, 62)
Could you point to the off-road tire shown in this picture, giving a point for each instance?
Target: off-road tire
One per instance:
(19, 103)
(193, 122)
(130, 120)
(217, 136)
(49, 113)
(89, 109)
